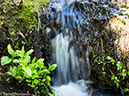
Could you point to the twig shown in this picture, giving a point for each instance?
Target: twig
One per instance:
(19, 33)
(23, 37)
(117, 82)
(39, 23)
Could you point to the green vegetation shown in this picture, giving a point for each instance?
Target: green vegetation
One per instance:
(34, 73)
(119, 75)
(21, 18)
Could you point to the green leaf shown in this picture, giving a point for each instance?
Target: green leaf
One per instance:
(27, 70)
(15, 54)
(19, 77)
(33, 61)
(128, 72)
(43, 80)
(123, 75)
(48, 78)
(28, 80)
(18, 52)
(8, 78)
(119, 65)
(10, 50)
(5, 60)
(103, 68)
(40, 61)
(123, 70)
(125, 90)
(27, 59)
(36, 81)
(35, 76)
(29, 52)
(17, 61)
(23, 50)
(52, 67)
(108, 57)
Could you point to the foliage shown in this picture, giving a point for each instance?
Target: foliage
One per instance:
(120, 74)
(20, 18)
(33, 72)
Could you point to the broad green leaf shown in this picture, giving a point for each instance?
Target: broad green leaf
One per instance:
(48, 78)
(125, 90)
(10, 50)
(119, 65)
(18, 52)
(5, 60)
(29, 52)
(27, 70)
(17, 61)
(40, 61)
(45, 71)
(27, 59)
(52, 67)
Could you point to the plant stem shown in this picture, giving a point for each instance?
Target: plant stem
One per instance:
(35, 93)
(117, 82)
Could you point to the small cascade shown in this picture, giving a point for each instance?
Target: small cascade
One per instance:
(72, 26)
(70, 67)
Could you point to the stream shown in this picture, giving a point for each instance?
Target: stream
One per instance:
(72, 26)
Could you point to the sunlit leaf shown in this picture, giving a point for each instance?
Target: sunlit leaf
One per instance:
(48, 78)
(23, 50)
(52, 67)
(119, 65)
(27, 70)
(36, 81)
(5, 60)
(10, 50)
(17, 61)
(33, 61)
(125, 90)
(27, 59)
(29, 52)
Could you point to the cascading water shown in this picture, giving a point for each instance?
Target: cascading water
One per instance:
(66, 23)
(70, 67)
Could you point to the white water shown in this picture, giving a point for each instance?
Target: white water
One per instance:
(72, 89)
(70, 68)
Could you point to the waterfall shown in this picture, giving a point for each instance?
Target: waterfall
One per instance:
(72, 26)
(71, 69)
(70, 66)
